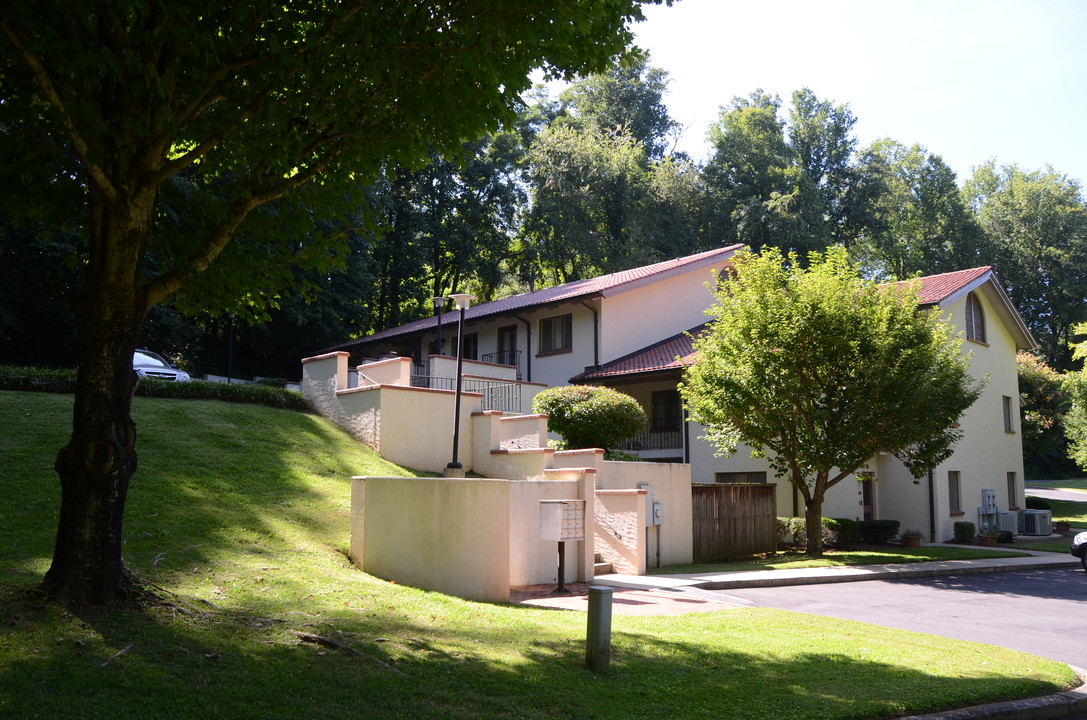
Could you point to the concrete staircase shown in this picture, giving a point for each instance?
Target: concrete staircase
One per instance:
(600, 567)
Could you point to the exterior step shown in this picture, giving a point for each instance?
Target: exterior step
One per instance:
(600, 567)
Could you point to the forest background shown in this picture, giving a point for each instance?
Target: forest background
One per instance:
(586, 181)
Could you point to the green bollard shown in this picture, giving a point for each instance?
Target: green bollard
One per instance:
(598, 634)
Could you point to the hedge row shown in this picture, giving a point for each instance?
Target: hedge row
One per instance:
(63, 381)
(838, 533)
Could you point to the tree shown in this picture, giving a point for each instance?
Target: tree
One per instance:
(1075, 386)
(1037, 222)
(246, 102)
(818, 371)
(1046, 402)
(630, 95)
(588, 416)
(920, 223)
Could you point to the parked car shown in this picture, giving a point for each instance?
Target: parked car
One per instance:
(152, 365)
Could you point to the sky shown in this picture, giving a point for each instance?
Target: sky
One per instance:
(970, 80)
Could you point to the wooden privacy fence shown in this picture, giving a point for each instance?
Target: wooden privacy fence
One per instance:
(733, 519)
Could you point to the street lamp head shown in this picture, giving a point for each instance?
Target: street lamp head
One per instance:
(462, 300)
(439, 302)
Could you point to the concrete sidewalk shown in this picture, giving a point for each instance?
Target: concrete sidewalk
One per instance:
(1032, 560)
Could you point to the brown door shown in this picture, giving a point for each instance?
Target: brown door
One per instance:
(867, 490)
(507, 344)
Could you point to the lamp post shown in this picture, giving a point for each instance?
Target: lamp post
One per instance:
(439, 303)
(462, 302)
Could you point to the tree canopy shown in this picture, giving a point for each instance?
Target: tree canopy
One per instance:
(234, 107)
(819, 370)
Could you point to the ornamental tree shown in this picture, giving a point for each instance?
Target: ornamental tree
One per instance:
(818, 370)
(589, 416)
(235, 105)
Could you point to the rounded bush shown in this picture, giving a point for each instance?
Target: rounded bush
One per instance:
(965, 531)
(1037, 503)
(588, 416)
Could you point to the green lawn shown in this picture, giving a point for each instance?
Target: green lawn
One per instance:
(241, 513)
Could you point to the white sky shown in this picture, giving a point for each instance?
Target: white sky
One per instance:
(968, 79)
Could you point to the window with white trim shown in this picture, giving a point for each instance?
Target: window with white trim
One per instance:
(1009, 417)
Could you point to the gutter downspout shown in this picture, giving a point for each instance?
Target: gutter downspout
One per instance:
(528, 348)
(596, 333)
(931, 506)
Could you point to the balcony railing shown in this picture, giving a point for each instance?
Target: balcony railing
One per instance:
(497, 395)
(660, 434)
(504, 357)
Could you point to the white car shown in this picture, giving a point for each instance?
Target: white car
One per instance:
(152, 365)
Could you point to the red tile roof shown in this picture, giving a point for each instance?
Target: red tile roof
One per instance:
(937, 288)
(568, 292)
(674, 353)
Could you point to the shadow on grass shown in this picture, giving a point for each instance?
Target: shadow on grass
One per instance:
(523, 664)
(212, 477)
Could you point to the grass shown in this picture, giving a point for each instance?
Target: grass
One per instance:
(242, 512)
(831, 558)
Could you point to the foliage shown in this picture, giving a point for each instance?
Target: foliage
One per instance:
(1075, 420)
(224, 115)
(837, 533)
(878, 532)
(1045, 446)
(1037, 222)
(620, 456)
(588, 416)
(63, 381)
(819, 371)
(1037, 503)
(919, 223)
(244, 513)
(786, 184)
(965, 531)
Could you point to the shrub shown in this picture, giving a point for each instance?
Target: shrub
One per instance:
(965, 532)
(588, 416)
(1004, 536)
(838, 533)
(63, 381)
(878, 532)
(620, 456)
(1037, 503)
(843, 532)
(273, 382)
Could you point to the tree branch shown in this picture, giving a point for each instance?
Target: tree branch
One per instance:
(52, 96)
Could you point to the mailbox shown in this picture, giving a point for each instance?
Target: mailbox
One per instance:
(562, 520)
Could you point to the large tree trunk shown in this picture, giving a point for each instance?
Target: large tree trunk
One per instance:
(96, 466)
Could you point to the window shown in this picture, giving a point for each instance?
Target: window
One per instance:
(1013, 496)
(471, 346)
(954, 492)
(1009, 425)
(975, 319)
(666, 415)
(740, 477)
(555, 334)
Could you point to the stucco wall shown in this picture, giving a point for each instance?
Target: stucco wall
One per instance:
(634, 319)
(446, 535)
(621, 535)
(670, 485)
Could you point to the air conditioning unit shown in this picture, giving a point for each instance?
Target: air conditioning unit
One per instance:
(1007, 520)
(1035, 522)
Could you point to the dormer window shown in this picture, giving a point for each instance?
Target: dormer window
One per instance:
(975, 319)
